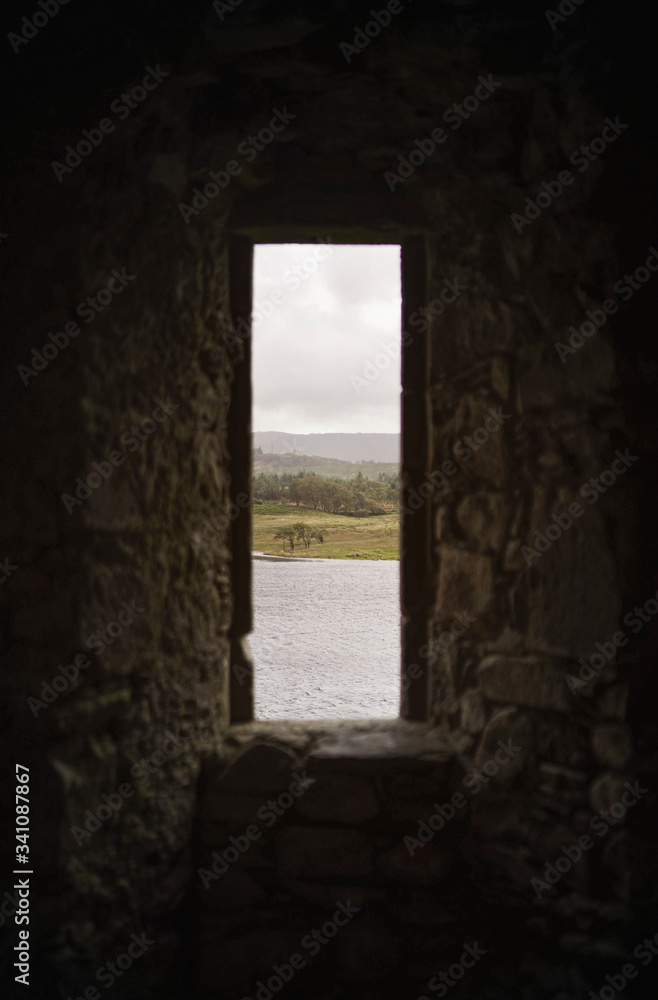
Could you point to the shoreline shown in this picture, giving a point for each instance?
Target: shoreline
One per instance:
(271, 558)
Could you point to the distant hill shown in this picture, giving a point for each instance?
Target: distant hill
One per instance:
(346, 447)
(329, 468)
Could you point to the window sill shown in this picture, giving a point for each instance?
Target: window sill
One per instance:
(353, 739)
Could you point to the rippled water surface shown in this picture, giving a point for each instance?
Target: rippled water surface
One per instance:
(326, 642)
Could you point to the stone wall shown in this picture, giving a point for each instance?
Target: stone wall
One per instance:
(138, 399)
(148, 536)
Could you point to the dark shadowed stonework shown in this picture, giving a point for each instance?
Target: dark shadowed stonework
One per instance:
(163, 689)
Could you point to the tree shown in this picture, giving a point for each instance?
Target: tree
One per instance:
(302, 532)
(287, 534)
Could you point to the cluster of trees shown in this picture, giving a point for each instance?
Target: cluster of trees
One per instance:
(300, 532)
(336, 496)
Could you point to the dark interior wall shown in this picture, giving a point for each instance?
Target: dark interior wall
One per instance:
(146, 534)
(139, 399)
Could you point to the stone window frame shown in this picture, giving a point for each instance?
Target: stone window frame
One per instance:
(416, 541)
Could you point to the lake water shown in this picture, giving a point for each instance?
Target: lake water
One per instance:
(326, 642)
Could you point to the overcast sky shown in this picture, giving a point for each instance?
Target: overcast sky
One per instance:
(326, 321)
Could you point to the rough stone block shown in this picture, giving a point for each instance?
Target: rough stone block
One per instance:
(612, 744)
(607, 789)
(483, 452)
(232, 809)
(530, 681)
(339, 798)
(512, 729)
(483, 518)
(465, 583)
(260, 768)
(473, 712)
(612, 703)
(573, 588)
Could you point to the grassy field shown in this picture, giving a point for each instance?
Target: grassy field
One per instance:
(347, 537)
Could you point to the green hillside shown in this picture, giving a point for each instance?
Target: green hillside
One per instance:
(326, 467)
(344, 537)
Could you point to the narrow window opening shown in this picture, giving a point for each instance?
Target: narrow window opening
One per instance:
(325, 364)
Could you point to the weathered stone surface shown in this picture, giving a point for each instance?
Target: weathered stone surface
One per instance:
(481, 435)
(465, 583)
(562, 620)
(483, 517)
(612, 744)
(473, 712)
(513, 559)
(339, 798)
(542, 388)
(532, 682)
(232, 809)
(499, 817)
(260, 768)
(306, 852)
(145, 532)
(508, 740)
(607, 789)
(612, 703)
(380, 742)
